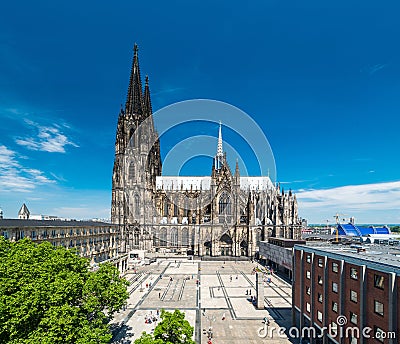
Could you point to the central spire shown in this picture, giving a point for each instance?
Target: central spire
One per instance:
(134, 99)
(219, 159)
(220, 152)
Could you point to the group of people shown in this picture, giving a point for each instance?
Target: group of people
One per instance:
(151, 318)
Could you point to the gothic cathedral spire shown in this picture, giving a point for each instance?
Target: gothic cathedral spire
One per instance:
(134, 99)
(147, 100)
(220, 153)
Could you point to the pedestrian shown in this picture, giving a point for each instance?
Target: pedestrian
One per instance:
(231, 278)
(159, 295)
(237, 277)
(250, 291)
(247, 292)
(223, 316)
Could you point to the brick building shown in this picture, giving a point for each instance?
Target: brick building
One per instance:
(340, 291)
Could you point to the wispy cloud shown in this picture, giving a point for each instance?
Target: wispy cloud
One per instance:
(168, 90)
(375, 68)
(15, 177)
(47, 139)
(364, 200)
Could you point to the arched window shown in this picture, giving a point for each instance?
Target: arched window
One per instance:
(186, 210)
(137, 205)
(163, 237)
(175, 210)
(174, 237)
(131, 172)
(224, 204)
(165, 206)
(132, 140)
(136, 236)
(185, 237)
(156, 237)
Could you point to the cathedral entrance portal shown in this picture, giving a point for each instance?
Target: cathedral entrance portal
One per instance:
(208, 246)
(226, 245)
(243, 248)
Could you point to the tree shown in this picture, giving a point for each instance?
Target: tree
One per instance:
(48, 295)
(173, 329)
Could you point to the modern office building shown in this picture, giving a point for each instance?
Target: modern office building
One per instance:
(347, 293)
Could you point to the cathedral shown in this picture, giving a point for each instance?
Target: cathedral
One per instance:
(223, 214)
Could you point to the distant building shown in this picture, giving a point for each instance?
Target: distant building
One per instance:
(278, 254)
(350, 229)
(23, 213)
(340, 290)
(97, 241)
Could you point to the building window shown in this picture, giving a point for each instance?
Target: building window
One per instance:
(308, 290)
(320, 281)
(334, 306)
(333, 328)
(319, 316)
(379, 334)
(33, 235)
(174, 237)
(308, 307)
(378, 307)
(320, 262)
(131, 172)
(308, 274)
(353, 318)
(334, 287)
(163, 237)
(166, 206)
(379, 281)
(224, 204)
(353, 273)
(353, 296)
(137, 205)
(5, 235)
(335, 267)
(175, 210)
(308, 258)
(319, 297)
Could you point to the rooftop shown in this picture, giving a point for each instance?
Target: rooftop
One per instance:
(12, 223)
(381, 257)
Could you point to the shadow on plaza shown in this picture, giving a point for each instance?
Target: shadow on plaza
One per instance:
(282, 316)
(120, 334)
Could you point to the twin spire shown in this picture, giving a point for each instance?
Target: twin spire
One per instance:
(136, 102)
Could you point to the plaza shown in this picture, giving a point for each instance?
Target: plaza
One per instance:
(212, 294)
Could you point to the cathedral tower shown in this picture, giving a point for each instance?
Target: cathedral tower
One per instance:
(137, 159)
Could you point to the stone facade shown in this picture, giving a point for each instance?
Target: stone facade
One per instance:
(224, 214)
(97, 241)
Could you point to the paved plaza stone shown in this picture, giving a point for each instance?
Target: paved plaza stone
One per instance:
(212, 294)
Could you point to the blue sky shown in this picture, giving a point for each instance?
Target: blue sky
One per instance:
(321, 79)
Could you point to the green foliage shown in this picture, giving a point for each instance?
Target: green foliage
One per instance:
(395, 228)
(48, 295)
(172, 329)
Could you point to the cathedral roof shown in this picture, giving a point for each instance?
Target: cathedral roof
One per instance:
(196, 183)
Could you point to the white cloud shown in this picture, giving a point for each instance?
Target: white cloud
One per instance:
(15, 177)
(48, 139)
(370, 202)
